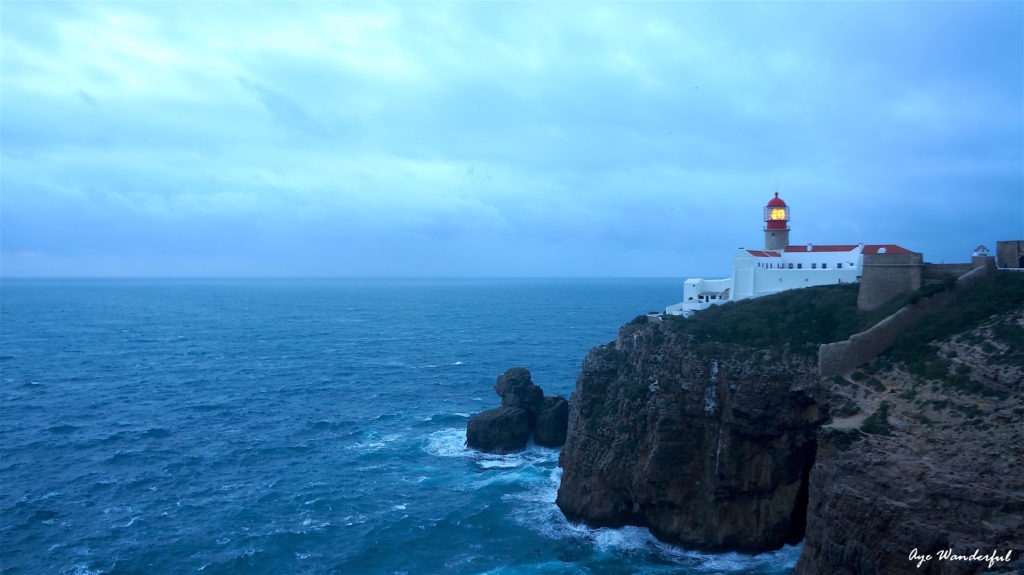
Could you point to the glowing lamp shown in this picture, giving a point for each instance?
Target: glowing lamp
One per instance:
(776, 214)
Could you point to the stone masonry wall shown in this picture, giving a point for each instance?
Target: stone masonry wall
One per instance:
(1008, 253)
(942, 271)
(886, 276)
(845, 356)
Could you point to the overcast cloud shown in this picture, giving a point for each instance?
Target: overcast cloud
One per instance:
(493, 139)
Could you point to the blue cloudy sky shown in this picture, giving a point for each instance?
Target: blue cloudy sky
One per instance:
(499, 139)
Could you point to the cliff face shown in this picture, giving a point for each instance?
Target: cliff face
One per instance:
(708, 447)
(930, 459)
(721, 446)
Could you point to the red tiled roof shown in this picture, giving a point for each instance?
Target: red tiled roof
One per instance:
(868, 249)
(889, 249)
(814, 248)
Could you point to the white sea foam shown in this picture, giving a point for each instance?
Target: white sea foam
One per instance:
(452, 443)
(83, 569)
(313, 525)
(351, 520)
(537, 510)
(375, 443)
(448, 443)
(131, 522)
(506, 462)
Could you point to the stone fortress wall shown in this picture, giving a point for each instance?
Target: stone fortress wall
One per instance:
(844, 356)
(885, 276)
(1010, 254)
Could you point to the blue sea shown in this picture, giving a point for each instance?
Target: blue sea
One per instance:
(300, 426)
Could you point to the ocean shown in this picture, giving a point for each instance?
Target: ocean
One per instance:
(300, 426)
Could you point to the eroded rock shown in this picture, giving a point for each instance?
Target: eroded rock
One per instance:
(499, 430)
(503, 430)
(552, 422)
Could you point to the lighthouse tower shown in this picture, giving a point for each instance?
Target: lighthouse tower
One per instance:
(776, 224)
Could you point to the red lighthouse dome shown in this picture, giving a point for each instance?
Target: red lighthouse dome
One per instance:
(776, 214)
(776, 224)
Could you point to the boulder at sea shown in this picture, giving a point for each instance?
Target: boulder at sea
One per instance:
(516, 389)
(524, 409)
(499, 430)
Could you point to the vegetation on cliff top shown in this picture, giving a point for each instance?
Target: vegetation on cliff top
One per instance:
(800, 320)
(998, 293)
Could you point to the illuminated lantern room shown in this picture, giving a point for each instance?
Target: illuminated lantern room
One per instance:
(776, 224)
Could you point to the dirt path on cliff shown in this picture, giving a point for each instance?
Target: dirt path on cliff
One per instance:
(852, 422)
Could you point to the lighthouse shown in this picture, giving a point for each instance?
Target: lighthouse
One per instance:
(780, 267)
(776, 224)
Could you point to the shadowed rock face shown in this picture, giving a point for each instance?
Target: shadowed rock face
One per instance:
(552, 422)
(499, 430)
(706, 450)
(524, 409)
(516, 389)
(946, 471)
(724, 447)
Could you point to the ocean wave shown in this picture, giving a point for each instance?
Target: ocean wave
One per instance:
(537, 511)
(328, 425)
(374, 442)
(83, 569)
(445, 419)
(157, 433)
(451, 442)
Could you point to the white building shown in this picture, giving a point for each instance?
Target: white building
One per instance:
(778, 267)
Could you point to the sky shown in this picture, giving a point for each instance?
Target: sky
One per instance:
(328, 139)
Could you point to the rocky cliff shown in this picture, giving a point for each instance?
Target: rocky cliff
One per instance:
(707, 449)
(929, 457)
(714, 443)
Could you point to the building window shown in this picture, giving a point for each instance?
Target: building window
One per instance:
(790, 266)
(799, 266)
(814, 266)
(823, 266)
(839, 265)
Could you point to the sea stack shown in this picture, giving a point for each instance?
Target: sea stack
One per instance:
(524, 410)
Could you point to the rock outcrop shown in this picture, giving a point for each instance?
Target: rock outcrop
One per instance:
(552, 422)
(707, 450)
(516, 389)
(524, 410)
(724, 447)
(931, 460)
(499, 430)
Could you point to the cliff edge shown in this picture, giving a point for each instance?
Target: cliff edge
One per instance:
(706, 449)
(717, 432)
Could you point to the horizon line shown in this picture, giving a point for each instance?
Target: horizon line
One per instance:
(367, 277)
